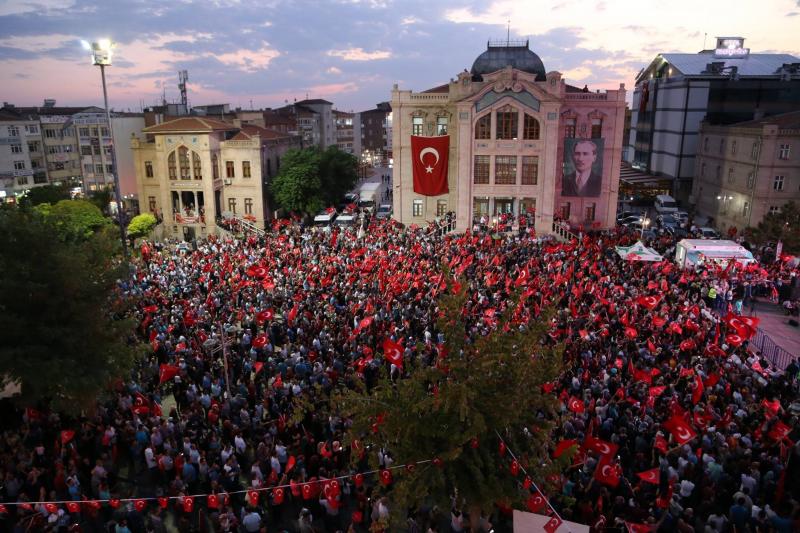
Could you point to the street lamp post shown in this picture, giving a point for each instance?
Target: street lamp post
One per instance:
(102, 51)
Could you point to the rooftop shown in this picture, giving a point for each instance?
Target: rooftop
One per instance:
(250, 131)
(314, 101)
(508, 53)
(696, 64)
(201, 124)
(785, 121)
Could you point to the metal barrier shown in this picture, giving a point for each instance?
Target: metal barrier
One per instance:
(443, 227)
(776, 355)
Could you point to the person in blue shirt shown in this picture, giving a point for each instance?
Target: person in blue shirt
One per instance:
(738, 514)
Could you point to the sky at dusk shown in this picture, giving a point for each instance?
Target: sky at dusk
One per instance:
(350, 52)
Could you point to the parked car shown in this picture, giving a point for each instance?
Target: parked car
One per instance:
(625, 214)
(630, 220)
(352, 198)
(384, 211)
(677, 232)
(708, 233)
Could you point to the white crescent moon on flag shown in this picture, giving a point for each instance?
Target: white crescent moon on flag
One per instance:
(605, 470)
(429, 150)
(683, 433)
(603, 449)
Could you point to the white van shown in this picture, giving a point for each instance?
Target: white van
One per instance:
(325, 219)
(666, 204)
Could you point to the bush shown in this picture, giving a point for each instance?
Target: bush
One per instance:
(141, 225)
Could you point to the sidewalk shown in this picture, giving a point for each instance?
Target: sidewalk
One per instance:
(775, 324)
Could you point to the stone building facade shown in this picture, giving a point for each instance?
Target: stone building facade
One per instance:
(508, 122)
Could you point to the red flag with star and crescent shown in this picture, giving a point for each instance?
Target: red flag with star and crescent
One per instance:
(430, 161)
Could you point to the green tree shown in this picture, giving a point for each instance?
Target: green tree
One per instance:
(782, 226)
(63, 336)
(46, 194)
(456, 410)
(298, 187)
(74, 219)
(338, 173)
(141, 225)
(101, 198)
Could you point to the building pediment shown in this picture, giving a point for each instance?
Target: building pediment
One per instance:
(521, 95)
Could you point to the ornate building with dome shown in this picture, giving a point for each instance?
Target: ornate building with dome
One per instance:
(520, 144)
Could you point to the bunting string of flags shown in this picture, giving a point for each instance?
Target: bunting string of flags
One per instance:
(330, 488)
(538, 500)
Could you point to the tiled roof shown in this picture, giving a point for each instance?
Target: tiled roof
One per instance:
(444, 88)
(251, 130)
(204, 124)
(786, 121)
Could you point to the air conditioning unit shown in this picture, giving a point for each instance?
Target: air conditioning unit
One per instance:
(227, 181)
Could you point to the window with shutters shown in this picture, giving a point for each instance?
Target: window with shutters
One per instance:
(416, 125)
(569, 128)
(530, 170)
(505, 170)
(483, 127)
(245, 169)
(597, 129)
(530, 130)
(441, 125)
(506, 123)
(230, 171)
(480, 174)
(214, 167)
(172, 166)
(197, 166)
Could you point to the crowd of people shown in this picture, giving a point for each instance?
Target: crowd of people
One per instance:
(674, 424)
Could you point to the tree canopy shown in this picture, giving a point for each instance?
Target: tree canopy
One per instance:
(781, 226)
(456, 411)
(46, 194)
(64, 339)
(74, 219)
(310, 179)
(141, 225)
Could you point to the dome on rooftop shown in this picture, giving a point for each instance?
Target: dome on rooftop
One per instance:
(499, 56)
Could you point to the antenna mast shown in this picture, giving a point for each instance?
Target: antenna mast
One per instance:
(183, 77)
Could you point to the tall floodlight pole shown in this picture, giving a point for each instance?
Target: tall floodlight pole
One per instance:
(102, 51)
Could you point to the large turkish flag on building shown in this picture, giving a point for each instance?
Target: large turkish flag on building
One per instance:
(429, 155)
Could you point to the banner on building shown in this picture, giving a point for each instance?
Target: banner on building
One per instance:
(583, 168)
(430, 161)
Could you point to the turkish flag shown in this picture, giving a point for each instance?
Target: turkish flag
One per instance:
(697, 393)
(680, 429)
(650, 302)
(600, 446)
(553, 524)
(563, 446)
(650, 476)
(575, 405)
(67, 436)
(393, 352)
(430, 159)
(606, 473)
(536, 502)
(167, 372)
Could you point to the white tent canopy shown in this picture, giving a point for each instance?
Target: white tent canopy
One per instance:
(638, 252)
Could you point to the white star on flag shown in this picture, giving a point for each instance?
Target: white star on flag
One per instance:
(429, 169)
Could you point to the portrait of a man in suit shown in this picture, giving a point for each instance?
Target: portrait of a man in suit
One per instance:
(583, 169)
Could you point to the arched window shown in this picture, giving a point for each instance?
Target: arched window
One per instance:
(507, 118)
(483, 127)
(183, 161)
(173, 170)
(214, 167)
(197, 167)
(531, 128)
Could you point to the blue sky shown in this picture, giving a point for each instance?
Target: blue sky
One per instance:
(348, 51)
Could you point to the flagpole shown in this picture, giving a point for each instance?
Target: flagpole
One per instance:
(225, 359)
